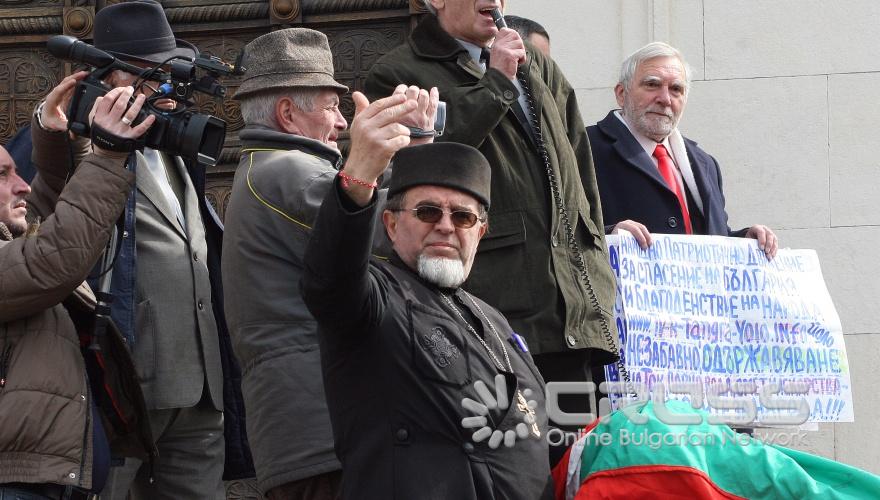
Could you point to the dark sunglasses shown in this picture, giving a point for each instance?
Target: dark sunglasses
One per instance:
(430, 214)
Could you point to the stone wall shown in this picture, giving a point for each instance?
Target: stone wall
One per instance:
(784, 98)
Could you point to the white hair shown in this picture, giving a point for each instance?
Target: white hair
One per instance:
(431, 9)
(259, 108)
(648, 52)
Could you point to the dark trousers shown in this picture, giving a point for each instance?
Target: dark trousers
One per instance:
(190, 462)
(7, 493)
(325, 486)
(38, 491)
(569, 366)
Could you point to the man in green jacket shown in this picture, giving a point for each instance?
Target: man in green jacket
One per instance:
(543, 262)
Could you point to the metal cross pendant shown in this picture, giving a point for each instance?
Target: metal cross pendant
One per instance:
(530, 418)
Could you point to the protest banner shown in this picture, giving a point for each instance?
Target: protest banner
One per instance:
(710, 320)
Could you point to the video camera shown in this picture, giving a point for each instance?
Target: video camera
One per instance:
(194, 136)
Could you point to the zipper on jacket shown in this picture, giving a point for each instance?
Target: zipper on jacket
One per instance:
(5, 356)
(88, 403)
(4, 364)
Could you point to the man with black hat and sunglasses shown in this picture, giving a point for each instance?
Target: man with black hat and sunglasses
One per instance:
(165, 282)
(290, 106)
(431, 393)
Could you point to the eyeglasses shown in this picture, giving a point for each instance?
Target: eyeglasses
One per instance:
(462, 219)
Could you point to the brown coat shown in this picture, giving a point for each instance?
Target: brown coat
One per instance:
(45, 398)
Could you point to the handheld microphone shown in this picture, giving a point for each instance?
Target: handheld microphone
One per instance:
(498, 18)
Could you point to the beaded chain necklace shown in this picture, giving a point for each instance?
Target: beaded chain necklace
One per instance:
(477, 335)
(521, 404)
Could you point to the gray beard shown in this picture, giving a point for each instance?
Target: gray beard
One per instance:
(445, 273)
(652, 128)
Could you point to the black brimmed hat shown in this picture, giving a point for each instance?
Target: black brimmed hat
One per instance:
(447, 164)
(139, 31)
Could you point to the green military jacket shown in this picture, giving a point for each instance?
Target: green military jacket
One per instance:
(524, 266)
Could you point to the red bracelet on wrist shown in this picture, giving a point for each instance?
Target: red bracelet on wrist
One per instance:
(345, 179)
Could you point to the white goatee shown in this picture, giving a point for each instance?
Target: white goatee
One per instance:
(445, 273)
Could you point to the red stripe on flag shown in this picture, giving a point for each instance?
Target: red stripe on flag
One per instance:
(657, 482)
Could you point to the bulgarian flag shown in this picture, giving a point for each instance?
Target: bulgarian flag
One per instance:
(617, 457)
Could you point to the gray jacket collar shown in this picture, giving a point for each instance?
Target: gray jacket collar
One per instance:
(255, 137)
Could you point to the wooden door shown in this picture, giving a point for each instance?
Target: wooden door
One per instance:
(360, 31)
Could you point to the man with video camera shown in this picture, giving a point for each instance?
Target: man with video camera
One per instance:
(58, 418)
(167, 296)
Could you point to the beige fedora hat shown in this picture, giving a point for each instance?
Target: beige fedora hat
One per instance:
(293, 57)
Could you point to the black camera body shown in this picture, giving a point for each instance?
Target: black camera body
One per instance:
(196, 137)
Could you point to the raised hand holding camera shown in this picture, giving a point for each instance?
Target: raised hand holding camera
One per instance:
(425, 121)
(376, 134)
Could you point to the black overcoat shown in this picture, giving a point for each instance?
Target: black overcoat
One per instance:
(397, 362)
(631, 186)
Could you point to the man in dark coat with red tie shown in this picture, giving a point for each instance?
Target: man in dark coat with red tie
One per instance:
(651, 178)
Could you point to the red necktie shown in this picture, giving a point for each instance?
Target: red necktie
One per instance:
(667, 170)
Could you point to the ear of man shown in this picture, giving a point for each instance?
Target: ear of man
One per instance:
(484, 227)
(389, 219)
(285, 109)
(619, 92)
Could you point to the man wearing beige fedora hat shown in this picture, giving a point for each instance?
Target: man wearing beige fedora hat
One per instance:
(290, 158)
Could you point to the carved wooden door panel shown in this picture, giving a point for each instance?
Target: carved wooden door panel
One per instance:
(360, 31)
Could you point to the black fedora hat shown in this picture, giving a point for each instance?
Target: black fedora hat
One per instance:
(139, 31)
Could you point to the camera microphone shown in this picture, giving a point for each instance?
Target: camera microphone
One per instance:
(71, 49)
(197, 137)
